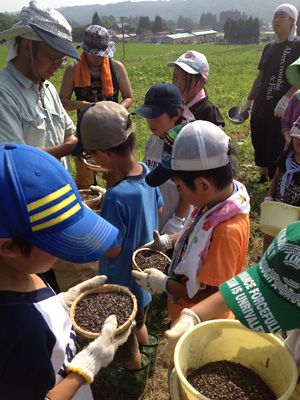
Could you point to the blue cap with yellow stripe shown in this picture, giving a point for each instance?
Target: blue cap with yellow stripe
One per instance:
(40, 203)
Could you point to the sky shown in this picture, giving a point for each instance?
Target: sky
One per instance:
(16, 5)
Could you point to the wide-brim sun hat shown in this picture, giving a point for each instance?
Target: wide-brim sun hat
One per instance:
(42, 206)
(49, 25)
(97, 42)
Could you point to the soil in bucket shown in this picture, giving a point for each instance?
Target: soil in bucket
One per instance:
(229, 380)
(151, 259)
(93, 309)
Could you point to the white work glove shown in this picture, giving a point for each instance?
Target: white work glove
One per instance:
(173, 225)
(293, 344)
(68, 297)
(99, 189)
(281, 106)
(160, 242)
(246, 106)
(151, 279)
(100, 352)
(187, 320)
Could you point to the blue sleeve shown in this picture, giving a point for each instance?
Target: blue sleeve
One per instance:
(26, 346)
(160, 201)
(115, 213)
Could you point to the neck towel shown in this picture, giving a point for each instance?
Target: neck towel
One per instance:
(82, 76)
(187, 114)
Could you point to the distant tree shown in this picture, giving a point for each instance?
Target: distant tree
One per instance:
(185, 23)
(77, 33)
(158, 25)
(242, 30)
(96, 19)
(232, 14)
(144, 25)
(6, 21)
(208, 19)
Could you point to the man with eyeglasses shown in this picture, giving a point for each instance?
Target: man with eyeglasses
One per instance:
(30, 109)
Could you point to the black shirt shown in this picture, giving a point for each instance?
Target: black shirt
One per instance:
(207, 111)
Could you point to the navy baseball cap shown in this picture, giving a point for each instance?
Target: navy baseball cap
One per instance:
(40, 204)
(159, 99)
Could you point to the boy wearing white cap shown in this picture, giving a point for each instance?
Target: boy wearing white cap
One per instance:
(271, 91)
(190, 75)
(42, 217)
(201, 167)
(30, 109)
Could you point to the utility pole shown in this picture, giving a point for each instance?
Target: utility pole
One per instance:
(123, 39)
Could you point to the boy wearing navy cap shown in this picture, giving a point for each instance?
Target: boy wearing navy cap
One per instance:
(42, 218)
(163, 110)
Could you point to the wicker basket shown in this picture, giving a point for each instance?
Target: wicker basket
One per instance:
(134, 264)
(104, 289)
(91, 203)
(92, 167)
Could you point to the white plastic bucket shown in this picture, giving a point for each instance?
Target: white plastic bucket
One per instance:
(275, 215)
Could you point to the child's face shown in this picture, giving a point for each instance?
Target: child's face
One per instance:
(160, 126)
(188, 84)
(190, 196)
(296, 145)
(38, 260)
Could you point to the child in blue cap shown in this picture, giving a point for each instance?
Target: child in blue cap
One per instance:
(42, 218)
(163, 109)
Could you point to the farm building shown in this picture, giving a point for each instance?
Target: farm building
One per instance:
(267, 36)
(179, 38)
(207, 36)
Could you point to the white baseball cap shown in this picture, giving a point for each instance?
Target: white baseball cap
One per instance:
(192, 62)
(199, 146)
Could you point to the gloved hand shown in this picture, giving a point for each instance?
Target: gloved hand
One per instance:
(173, 225)
(186, 321)
(99, 189)
(100, 352)
(68, 297)
(281, 106)
(246, 106)
(160, 242)
(151, 279)
(293, 344)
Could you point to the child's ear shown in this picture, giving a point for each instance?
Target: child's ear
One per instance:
(202, 183)
(6, 248)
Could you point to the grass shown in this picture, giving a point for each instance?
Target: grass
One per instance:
(232, 70)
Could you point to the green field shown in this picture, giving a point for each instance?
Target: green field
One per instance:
(232, 70)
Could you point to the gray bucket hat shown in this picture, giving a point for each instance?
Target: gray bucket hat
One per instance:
(49, 25)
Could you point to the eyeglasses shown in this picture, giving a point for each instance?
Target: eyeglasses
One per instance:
(61, 61)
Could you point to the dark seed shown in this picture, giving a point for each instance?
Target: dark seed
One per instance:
(229, 380)
(151, 259)
(92, 310)
(88, 196)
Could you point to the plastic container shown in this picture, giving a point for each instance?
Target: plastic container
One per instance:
(151, 350)
(275, 215)
(217, 340)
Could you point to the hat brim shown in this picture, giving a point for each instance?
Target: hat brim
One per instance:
(107, 53)
(150, 111)
(256, 305)
(183, 66)
(84, 241)
(62, 45)
(158, 176)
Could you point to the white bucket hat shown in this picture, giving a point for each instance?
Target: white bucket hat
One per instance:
(42, 22)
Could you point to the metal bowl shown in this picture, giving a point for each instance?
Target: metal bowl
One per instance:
(236, 117)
